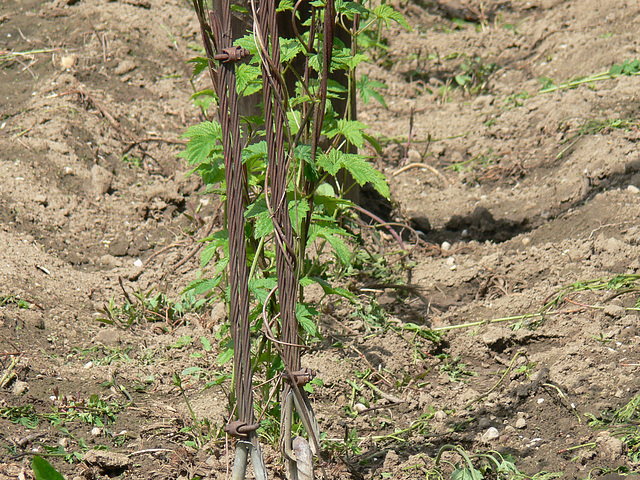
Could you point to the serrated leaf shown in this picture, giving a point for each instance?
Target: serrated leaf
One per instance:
(260, 288)
(386, 12)
(373, 142)
(284, 6)
(207, 254)
(43, 470)
(304, 314)
(351, 130)
(330, 290)
(204, 138)
(259, 213)
(333, 236)
(294, 119)
(297, 212)
(306, 281)
(361, 170)
(335, 87)
(205, 285)
(254, 157)
(206, 344)
(219, 240)
(368, 89)
(263, 225)
(219, 380)
(289, 48)
(191, 371)
(329, 201)
(225, 356)
(240, 9)
(349, 9)
(200, 64)
(248, 78)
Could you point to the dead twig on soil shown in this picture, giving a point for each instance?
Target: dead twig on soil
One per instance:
(161, 251)
(382, 223)
(22, 442)
(170, 141)
(606, 226)
(504, 375)
(386, 396)
(564, 397)
(373, 369)
(9, 373)
(423, 166)
(197, 248)
(151, 451)
(90, 99)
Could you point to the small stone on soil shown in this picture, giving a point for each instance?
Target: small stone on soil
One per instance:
(609, 448)
(124, 66)
(391, 460)
(68, 61)
(615, 311)
(108, 337)
(101, 179)
(20, 388)
(440, 416)
(119, 246)
(41, 199)
(491, 434)
(106, 460)
(414, 156)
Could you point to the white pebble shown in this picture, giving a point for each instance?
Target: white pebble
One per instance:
(491, 434)
(446, 246)
(359, 407)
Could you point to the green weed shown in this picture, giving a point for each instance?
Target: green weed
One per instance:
(132, 160)
(618, 285)
(14, 300)
(480, 466)
(149, 307)
(478, 163)
(627, 68)
(474, 78)
(102, 355)
(454, 368)
(594, 127)
(94, 411)
(624, 424)
(515, 100)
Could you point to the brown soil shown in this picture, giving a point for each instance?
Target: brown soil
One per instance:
(526, 197)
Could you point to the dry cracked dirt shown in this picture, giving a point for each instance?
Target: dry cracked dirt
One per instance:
(510, 329)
